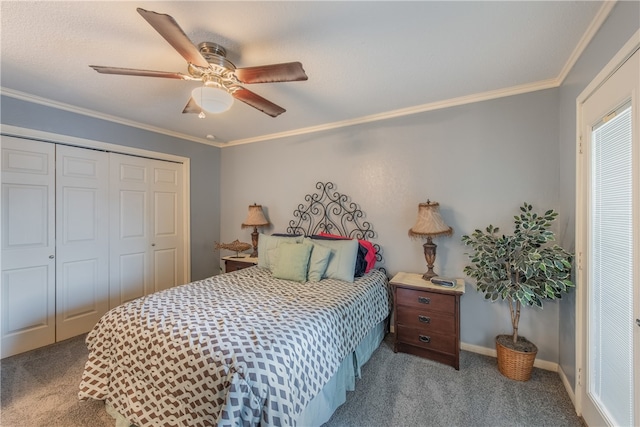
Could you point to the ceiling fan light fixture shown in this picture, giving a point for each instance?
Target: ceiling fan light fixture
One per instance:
(212, 99)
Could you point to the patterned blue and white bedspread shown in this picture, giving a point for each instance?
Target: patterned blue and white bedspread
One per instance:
(241, 348)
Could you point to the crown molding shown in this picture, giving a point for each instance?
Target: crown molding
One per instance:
(438, 105)
(56, 138)
(593, 28)
(23, 96)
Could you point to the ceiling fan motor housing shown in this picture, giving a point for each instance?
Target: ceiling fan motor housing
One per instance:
(216, 55)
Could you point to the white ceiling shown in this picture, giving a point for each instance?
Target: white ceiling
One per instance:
(365, 60)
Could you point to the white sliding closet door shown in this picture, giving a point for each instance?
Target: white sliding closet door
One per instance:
(147, 228)
(83, 230)
(82, 248)
(28, 245)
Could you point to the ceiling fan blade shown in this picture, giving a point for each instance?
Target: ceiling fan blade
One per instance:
(171, 31)
(136, 72)
(191, 107)
(258, 102)
(287, 72)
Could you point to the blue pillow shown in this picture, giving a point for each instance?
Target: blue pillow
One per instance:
(318, 262)
(266, 242)
(361, 260)
(292, 262)
(343, 258)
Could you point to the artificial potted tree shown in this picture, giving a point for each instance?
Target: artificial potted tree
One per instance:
(524, 270)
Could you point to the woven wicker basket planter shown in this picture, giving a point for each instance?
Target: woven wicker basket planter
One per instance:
(514, 364)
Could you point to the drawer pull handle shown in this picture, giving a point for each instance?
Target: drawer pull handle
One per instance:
(424, 338)
(424, 319)
(424, 300)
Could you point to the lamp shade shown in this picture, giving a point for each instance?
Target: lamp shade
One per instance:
(429, 222)
(255, 217)
(212, 99)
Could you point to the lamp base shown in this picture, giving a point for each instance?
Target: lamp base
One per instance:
(254, 241)
(428, 275)
(430, 257)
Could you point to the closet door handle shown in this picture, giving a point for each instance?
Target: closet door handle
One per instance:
(51, 257)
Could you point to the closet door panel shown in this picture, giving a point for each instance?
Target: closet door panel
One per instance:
(81, 289)
(82, 269)
(168, 230)
(166, 268)
(131, 251)
(166, 212)
(130, 225)
(132, 275)
(133, 215)
(28, 245)
(26, 288)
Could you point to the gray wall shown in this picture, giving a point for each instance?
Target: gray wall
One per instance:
(205, 165)
(621, 24)
(479, 161)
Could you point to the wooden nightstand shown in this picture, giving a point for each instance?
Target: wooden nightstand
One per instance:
(232, 263)
(427, 318)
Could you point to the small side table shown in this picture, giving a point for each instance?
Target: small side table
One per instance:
(233, 263)
(427, 318)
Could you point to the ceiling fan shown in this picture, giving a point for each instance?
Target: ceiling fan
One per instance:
(208, 63)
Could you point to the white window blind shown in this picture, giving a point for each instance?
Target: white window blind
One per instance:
(611, 268)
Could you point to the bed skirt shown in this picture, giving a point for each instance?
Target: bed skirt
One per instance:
(321, 408)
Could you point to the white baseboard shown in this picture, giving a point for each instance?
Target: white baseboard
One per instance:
(538, 363)
(542, 364)
(567, 386)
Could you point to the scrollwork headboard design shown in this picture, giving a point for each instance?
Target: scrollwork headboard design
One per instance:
(332, 212)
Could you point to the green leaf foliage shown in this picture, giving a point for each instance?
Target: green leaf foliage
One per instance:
(525, 267)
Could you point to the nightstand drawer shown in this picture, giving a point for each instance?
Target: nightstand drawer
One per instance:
(234, 266)
(427, 320)
(425, 339)
(238, 263)
(426, 300)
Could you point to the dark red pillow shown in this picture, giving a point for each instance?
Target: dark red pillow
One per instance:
(333, 236)
(371, 254)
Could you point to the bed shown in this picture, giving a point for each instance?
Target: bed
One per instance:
(258, 346)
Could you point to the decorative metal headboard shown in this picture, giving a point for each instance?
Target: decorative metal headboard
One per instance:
(332, 212)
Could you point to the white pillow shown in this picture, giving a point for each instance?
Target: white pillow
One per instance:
(342, 263)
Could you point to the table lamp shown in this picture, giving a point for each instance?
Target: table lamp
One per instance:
(429, 224)
(255, 218)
